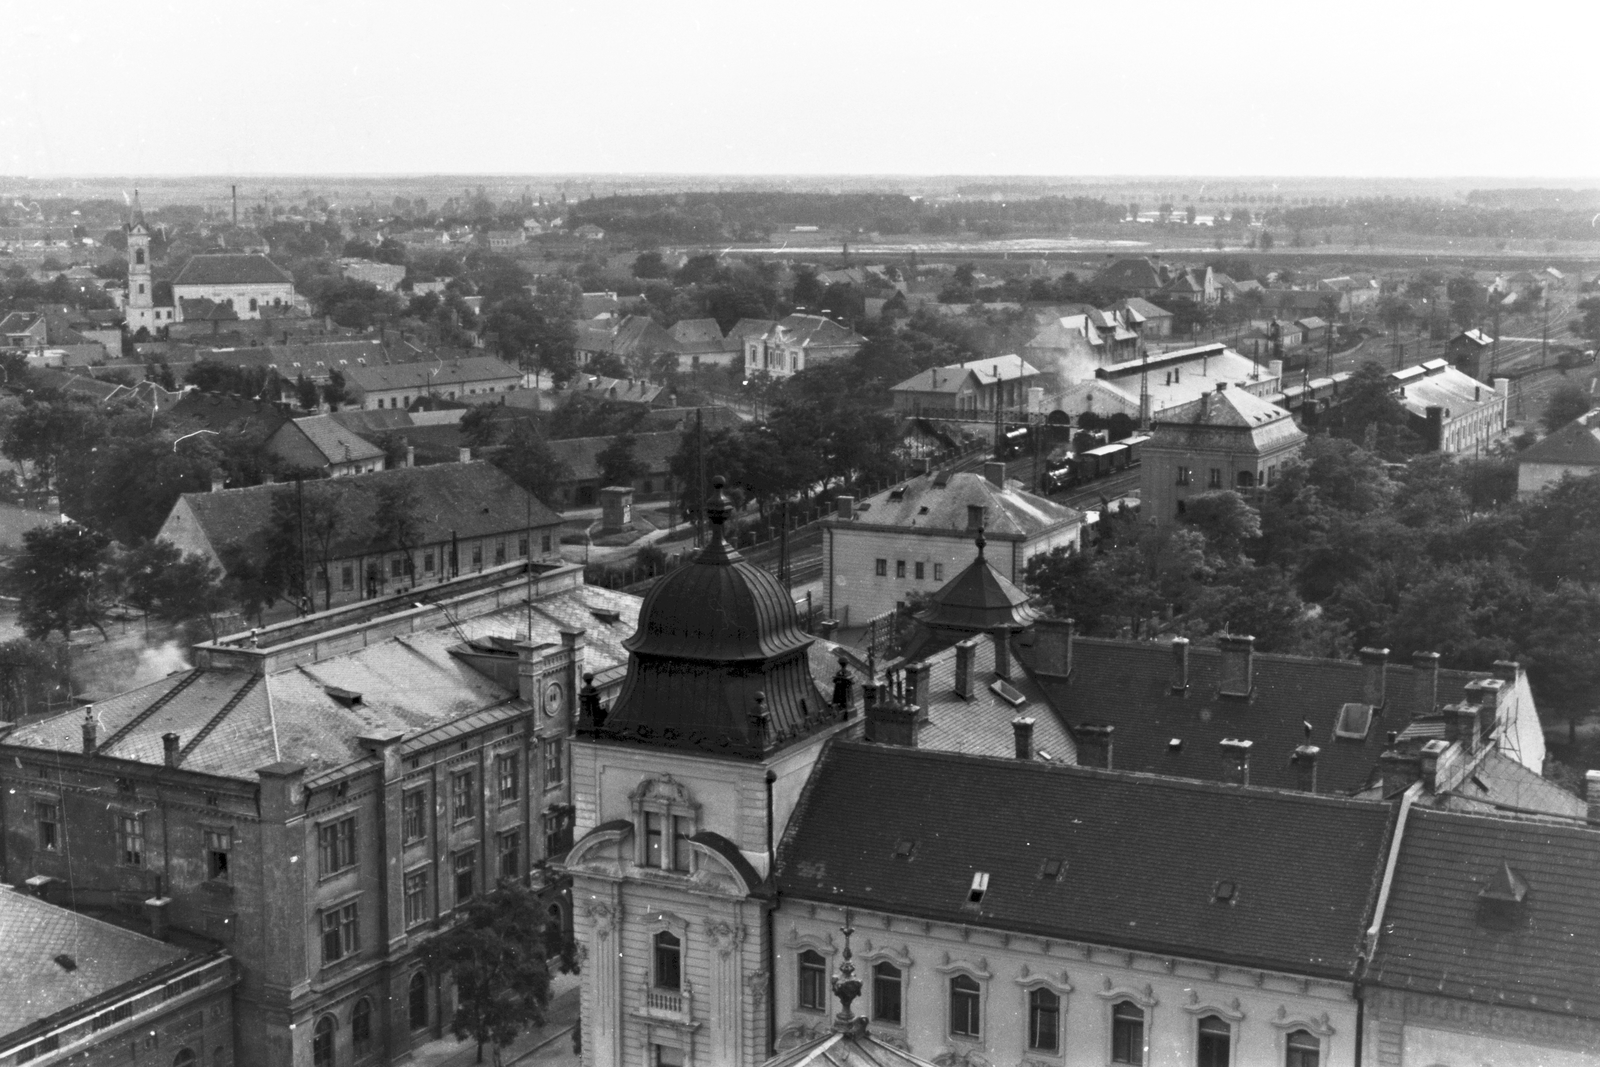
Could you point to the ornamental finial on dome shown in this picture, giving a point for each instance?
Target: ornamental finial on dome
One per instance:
(719, 507)
(980, 542)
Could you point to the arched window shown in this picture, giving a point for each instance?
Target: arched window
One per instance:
(1245, 479)
(886, 992)
(322, 1043)
(669, 961)
(966, 998)
(1127, 1033)
(1044, 1020)
(813, 981)
(417, 1001)
(1302, 1050)
(1215, 1043)
(138, 257)
(253, 305)
(186, 1058)
(361, 1028)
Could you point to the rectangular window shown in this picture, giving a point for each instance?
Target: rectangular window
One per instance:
(396, 567)
(414, 815)
(813, 981)
(48, 817)
(555, 762)
(975, 517)
(680, 843)
(669, 961)
(130, 839)
(667, 1056)
(1215, 480)
(336, 844)
(509, 854)
(652, 839)
(462, 805)
(965, 1003)
(1214, 1047)
(499, 552)
(522, 546)
(477, 557)
(1044, 1020)
(544, 543)
(919, 570)
(427, 562)
(557, 831)
(219, 845)
(1127, 1033)
(881, 568)
(506, 773)
(347, 576)
(1184, 474)
(899, 568)
(938, 572)
(886, 991)
(341, 933)
(466, 875)
(416, 897)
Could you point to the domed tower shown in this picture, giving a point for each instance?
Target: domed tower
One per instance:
(719, 662)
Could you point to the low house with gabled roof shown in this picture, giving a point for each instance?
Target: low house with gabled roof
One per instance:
(1572, 450)
(701, 343)
(398, 385)
(797, 342)
(973, 387)
(249, 282)
(324, 444)
(1225, 439)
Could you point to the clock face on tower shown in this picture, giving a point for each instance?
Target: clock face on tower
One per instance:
(552, 698)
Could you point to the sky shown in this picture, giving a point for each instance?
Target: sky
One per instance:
(1396, 89)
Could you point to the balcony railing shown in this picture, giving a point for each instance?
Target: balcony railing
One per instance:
(677, 1004)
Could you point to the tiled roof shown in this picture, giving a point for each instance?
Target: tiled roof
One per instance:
(818, 330)
(701, 337)
(215, 411)
(948, 379)
(1442, 936)
(654, 451)
(1138, 273)
(1499, 779)
(34, 986)
(1144, 308)
(443, 374)
(336, 443)
(923, 503)
(1293, 907)
(469, 499)
(1577, 443)
(750, 328)
(1233, 408)
(622, 390)
(1441, 385)
(981, 725)
(1128, 685)
(231, 269)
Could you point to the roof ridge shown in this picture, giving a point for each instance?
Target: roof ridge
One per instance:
(216, 720)
(155, 706)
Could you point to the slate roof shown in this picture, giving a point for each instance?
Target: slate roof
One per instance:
(1232, 409)
(1440, 385)
(471, 499)
(217, 411)
(34, 986)
(442, 374)
(1127, 684)
(636, 336)
(949, 379)
(819, 331)
(750, 328)
(1011, 514)
(981, 725)
(232, 722)
(701, 337)
(231, 269)
(1135, 273)
(1576, 444)
(336, 443)
(1144, 308)
(654, 451)
(1442, 937)
(980, 598)
(1294, 908)
(622, 390)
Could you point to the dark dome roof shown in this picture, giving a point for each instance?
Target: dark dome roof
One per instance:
(719, 608)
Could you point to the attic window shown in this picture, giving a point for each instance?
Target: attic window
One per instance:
(897, 493)
(923, 510)
(904, 848)
(980, 886)
(1225, 891)
(1504, 885)
(66, 962)
(606, 615)
(1175, 745)
(1051, 871)
(1354, 721)
(1005, 691)
(347, 697)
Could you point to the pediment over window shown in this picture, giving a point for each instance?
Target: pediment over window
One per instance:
(608, 848)
(665, 791)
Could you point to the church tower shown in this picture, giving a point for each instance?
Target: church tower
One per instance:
(140, 311)
(682, 792)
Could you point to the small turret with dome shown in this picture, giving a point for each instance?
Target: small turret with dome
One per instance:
(719, 662)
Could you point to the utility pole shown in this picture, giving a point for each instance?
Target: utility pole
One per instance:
(300, 507)
(1494, 354)
(700, 474)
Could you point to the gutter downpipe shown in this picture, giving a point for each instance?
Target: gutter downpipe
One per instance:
(1369, 944)
(772, 907)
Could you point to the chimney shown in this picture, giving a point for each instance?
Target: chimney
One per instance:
(1591, 793)
(1425, 668)
(1222, 387)
(842, 684)
(465, 454)
(1373, 664)
(1002, 653)
(217, 482)
(411, 456)
(1461, 724)
(891, 721)
(1236, 760)
(1502, 386)
(995, 474)
(90, 730)
(966, 653)
(1506, 670)
(155, 909)
(169, 749)
(1094, 745)
(846, 507)
(1180, 665)
(1429, 762)
(1052, 647)
(917, 688)
(1275, 368)
(1238, 664)
(1398, 770)
(1022, 734)
(1305, 761)
(869, 696)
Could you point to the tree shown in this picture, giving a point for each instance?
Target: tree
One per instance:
(191, 588)
(1228, 523)
(618, 464)
(1266, 241)
(496, 953)
(30, 673)
(650, 265)
(1189, 215)
(1566, 403)
(396, 520)
(527, 460)
(59, 580)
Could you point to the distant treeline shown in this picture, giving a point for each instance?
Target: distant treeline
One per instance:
(1477, 218)
(1537, 199)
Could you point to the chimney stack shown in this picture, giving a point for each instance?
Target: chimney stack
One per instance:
(1506, 670)
(411, 455)
(1425, 667)
(1429, 762)
(1591, 793)
(1373, 672)
(892, 722)
(995, 474)
(1236, 760)
(842, 684)
(966, 653)
(917, 688)
(1180, 665)
(465, 454)
(1002, 653)
(90, 730)
(169, 749)
(217, 482)
(1238, 664)
(1305, 760)
(846, 507)
(1461, 724)
(1022, 733)
(1094, 745)
(155, 909)
(1052, 647)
